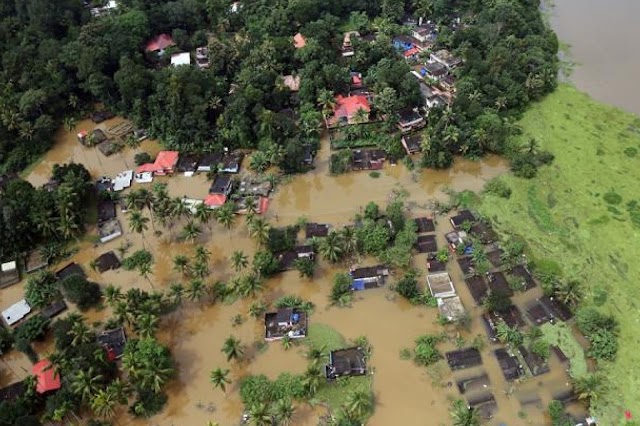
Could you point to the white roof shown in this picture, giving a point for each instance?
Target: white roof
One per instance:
(8, 266)
(191, 204)
(183, 58)
(123, 180)
(144, 177)
(440, 285)
(16, 312)
(451, 308)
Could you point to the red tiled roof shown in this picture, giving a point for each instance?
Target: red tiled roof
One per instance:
(215, 200)
(356, 79)
(167, 159)
(347, 107)
(299, 41)
(413, 51)
(159, 42)
(148, 167)
(46, 376)
(263, 205)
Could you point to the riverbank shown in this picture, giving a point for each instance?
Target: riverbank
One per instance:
(583, 212)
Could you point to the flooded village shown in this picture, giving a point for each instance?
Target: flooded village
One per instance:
(507, 386)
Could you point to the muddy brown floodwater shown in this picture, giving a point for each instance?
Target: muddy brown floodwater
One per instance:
(405, 394)
(603, 41)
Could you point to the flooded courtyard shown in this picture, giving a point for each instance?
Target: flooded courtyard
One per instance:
(404, 393)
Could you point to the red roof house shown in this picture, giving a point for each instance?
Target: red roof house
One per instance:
(164, 164)
(411, 53)
(215, 200)
(46, 376)
(159, 43)
(346, 109)
(299, 41)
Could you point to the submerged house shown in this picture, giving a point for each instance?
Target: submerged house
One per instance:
(346, 362)
(509, 364)
(463, 358)
(214, 201)
(113, 341)
(9, 274)
(451, 308)
(164, 164)
(106, 262)
(54, 309)
(299, 41)
(16, 312)
(289, 322)
(209, 162)
(412, 144)
(188, 164)
(287, 259)
(347, 44)
(221, 185)
(182, 58)
(425, 35)
(109, 230)
(316, 230)
(69, 270)
(202, 57)
(35, 261)
(368, 277)
(440, 285)
(367, 159)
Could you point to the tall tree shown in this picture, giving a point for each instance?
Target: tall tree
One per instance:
(219, 378)
(233, 349)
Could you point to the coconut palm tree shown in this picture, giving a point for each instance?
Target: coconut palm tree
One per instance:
(138, 223)
(200, 269)
(85, 383)
(176, 292)
(250, 285)
(219, 378)
(327, 102)
(225, 215)
(259, 162)
(463, 415)
(120, 390)
(331, 248)
(315, 355)
(233, 349)
(259, 230)
(80, 333)
(204, 215)
(112, 295)
(283, 411)
(181, 264)
(202, 254)
(104, 404)
(508, 335)
(359, 403)
(570, 292)
(349, 240)
(239, 260)
(590, 387)
(196, 290)
(191, 231)
(361, 116)
(146, 324)
(311, 380)
(144, 270)
(259, 415)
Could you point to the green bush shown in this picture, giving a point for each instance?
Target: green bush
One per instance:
(137, 259)
(32, 329)
(425, 352)
(41, 290)
(407, 287)
(292, 301)
(604, 345)
(77, 289)
(558, 415)
(6, 339)
(142, 158)
(148, 403)
(498, 187)
(341, 290)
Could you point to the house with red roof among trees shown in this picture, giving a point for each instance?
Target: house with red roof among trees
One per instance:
(164, 164)
(159, 43)
(47, 378)
(346, 110)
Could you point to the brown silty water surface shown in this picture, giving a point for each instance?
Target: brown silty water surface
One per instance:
(405, 393)
(603, 40)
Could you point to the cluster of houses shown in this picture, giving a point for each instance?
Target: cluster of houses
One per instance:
(159, 44)
(468, 235)
(111, 139)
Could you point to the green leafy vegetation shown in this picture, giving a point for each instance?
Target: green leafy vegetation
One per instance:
(574, 235)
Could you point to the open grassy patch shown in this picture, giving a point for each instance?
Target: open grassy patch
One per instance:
(336, 393)
(580, 213)
(560, 335)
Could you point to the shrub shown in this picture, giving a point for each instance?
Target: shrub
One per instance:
(498, 187)
(558, 415)
(341, 290)
(138, 258)
(425, 352)
(148, 403)
(77, 289)
(497, 302)
(41, 290)
(265, 263)
(291, 301)
(6, 340)
(407, 287)
(590, 320)
(32, 329)
(305, 266)
(142, 158)
(25, 347)
(604, 345)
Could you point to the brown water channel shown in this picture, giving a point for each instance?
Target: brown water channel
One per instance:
(603, 41)
(405, 394)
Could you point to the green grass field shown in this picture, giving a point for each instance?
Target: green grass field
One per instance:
(583, 212)
(334, 394)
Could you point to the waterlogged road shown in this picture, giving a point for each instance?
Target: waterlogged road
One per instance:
(603, 38)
